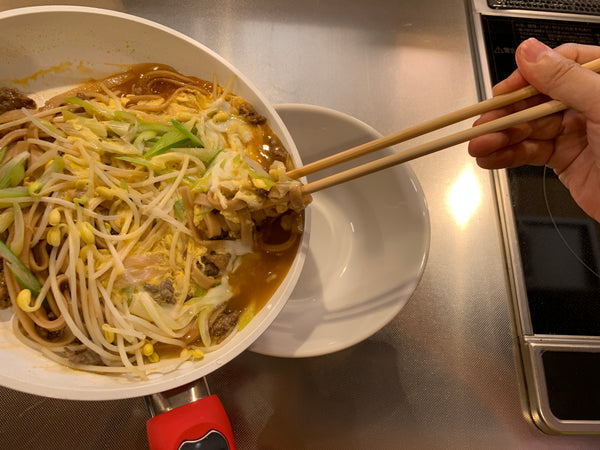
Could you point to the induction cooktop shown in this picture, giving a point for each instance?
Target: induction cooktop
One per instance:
(552, 248)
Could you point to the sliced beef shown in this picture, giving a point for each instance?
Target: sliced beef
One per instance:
(13, 99)
(4, 297)
(276, 150)
(85, 356)
(50, 336)
(214, 263)
(247, 111)
(164, 292)
(223, 325)
(210, 269)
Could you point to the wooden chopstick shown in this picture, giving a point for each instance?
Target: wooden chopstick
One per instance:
(499, 101)
(402, 156)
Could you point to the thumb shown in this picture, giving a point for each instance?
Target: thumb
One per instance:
(559, 78)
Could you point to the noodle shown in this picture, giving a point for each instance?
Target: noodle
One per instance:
(130, 205)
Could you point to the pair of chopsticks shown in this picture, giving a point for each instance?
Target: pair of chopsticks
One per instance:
(535, 112)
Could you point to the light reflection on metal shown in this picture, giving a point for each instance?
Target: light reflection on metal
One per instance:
(464, 196)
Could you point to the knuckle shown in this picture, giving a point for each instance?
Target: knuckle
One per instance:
(562, 73)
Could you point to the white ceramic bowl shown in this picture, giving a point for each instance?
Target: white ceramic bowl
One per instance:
(48, 49)
(368, 246)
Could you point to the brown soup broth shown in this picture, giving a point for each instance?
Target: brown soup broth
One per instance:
(259, 275)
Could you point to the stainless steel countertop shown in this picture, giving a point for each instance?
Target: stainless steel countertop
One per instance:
(443, 373)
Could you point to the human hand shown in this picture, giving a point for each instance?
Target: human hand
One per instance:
(569, 141)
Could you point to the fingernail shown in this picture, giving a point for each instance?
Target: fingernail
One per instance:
(532, 50)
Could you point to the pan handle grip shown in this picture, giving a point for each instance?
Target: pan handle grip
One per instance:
(200, 425)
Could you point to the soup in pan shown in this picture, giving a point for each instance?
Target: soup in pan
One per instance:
(144, 219)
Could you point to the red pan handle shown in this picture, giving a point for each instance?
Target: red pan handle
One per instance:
(201, 424)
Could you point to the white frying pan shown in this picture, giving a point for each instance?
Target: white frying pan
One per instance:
(48, 49)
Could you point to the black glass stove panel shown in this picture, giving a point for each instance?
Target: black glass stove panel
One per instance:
(559, 252)
(503, 35)
(572, 382)
(559, 6)
(563, 292)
